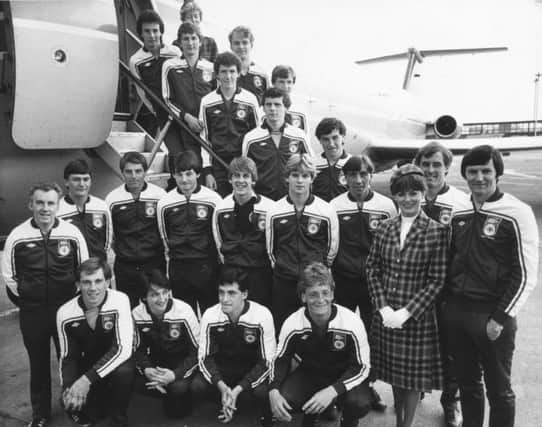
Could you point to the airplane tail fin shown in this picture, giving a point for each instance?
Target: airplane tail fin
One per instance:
(413, 55)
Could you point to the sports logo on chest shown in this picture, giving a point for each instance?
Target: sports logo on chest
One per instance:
(63, 247)
(174, 330)
(108, 322)
(207, 76)
(202, 212)
(313, 226)
(150, 209)
(338, 340)
(97, 220)
(241, 112)
(491, 227)
(259, 220)
(342, 179)
(445, 216)
(250, 335)
(374, 221)
(293, 147)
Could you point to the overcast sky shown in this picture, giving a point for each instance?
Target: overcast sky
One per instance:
(322, 38)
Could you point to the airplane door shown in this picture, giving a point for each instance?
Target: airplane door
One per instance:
(66, 73)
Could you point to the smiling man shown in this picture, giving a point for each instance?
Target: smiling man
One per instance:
(493, 269)
(236, 349)
(38, 266)
(239, 230)
(185, 223)
(89, 214)
(300, 229)
(273, 143)
(138, 246)
(97, 340)
(330, 345)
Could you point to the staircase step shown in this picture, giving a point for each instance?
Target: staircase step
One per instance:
(127, 141)
(159, 179)
(159, 164)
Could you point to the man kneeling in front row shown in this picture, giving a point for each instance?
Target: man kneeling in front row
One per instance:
(329, 345)
(96, 333)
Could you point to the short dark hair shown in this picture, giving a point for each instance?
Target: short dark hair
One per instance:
(480, 155)
(431, 148)
(234, 275)
(227, 59)
(77, 167)
(188, 28)
(407, 177)
(273, 92)
(282, 72)
(152, 277)
(315, 274)
(190, 7)
(133, 157)
(355, 163)
(92, 265)
(187, 160)
(244, 30)
(149, 16)
(243, 164)
(328, 125)
(45, 186)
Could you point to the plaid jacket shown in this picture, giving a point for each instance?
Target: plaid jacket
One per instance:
(412, 276)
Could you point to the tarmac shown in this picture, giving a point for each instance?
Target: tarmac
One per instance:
(523, 178)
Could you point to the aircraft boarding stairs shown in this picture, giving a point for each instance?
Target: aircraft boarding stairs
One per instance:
(128, 135)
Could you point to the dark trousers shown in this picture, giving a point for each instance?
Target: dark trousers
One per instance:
(128, 276)
(178, 400)
(259, 281)
(450, 389)
(352, 292)
(38, 326)
(284, 300)
(301, 385)
(474, 356)
(223, 186)
(110, 395)
(195, 281)
(202, 389)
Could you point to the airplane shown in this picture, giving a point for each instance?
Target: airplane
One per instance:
(63, 95)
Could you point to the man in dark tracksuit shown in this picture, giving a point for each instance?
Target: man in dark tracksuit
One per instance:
(137, 243)
(167, 356)
(185, 223)
(88, 213)
(38, 266)
(239, 230)
(97, 340)
(330, 180)
(440, 203)
(493, 269)
(301, 228)
(236, 348)
(328, 345)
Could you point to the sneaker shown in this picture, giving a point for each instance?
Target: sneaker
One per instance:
(38, 422)
(377, 404)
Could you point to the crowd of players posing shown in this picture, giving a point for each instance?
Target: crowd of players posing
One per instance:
(284, 240)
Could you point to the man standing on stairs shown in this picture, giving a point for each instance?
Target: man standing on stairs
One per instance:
(137, 243)
(88, 213)
(185, 81)
(146, 64)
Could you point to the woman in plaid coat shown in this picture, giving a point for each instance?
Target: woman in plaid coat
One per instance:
(405, 272)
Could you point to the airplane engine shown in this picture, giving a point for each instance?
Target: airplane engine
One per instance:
(447, 126)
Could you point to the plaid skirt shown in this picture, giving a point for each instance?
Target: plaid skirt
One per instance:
(410, 357)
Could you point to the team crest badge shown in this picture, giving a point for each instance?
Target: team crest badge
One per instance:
(339, 340)
(249, 334)
(97, 220)
(107, 322)
(445, 216)
(202, 211)
(207, 76)
(261, 222)
(241, 113)
(293, 147)
(63, 247)
(174, 330)
(374, 220)
(491, 226)
(257, 82)
(342, 179)
(314, 225)
(150, 209)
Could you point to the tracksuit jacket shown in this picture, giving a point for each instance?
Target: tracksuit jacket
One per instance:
(330, 180)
